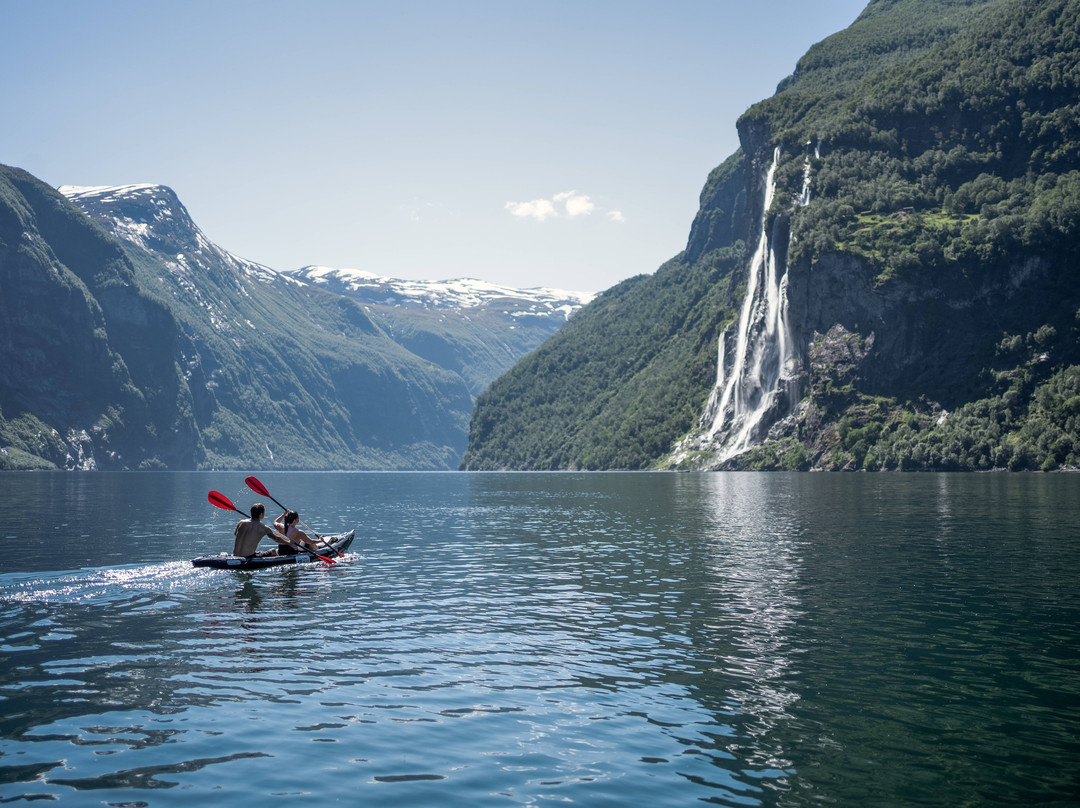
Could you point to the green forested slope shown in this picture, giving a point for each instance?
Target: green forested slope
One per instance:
(117, 356)
(940, 239)
(960, 170)
(979, 138)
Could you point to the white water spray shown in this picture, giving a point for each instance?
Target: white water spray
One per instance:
(758, 383)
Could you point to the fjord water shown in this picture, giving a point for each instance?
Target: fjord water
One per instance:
(529, 639)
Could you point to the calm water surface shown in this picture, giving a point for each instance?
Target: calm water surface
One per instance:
(532, 639)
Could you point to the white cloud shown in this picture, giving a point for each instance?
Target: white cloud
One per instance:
(576, 204)
(539, 209)
(569, 202)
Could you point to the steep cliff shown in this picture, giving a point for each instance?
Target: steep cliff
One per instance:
(84, 385)
(884, 271)
(933, 222)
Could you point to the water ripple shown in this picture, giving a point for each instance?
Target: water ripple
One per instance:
(608, 639)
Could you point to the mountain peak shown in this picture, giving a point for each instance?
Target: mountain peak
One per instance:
(153, 217)
(147, 214)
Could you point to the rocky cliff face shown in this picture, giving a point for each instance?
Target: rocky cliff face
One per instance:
(856, 330)
(922, 336)
(907, 306)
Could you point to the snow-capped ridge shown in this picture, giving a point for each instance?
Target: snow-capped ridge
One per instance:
(109, 192)
(153, 217)
(457, 293)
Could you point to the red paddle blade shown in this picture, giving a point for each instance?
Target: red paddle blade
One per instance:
(256, 486)
(219, 500)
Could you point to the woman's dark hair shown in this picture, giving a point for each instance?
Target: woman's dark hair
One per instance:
(257, 510)
(290, 517)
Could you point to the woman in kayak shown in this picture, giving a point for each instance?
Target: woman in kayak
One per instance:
(288, 523)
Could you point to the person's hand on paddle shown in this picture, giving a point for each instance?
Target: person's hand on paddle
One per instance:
(256, 485)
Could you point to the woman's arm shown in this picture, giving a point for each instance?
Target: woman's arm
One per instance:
(300, 537)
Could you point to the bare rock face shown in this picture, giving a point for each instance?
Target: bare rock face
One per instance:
(836, 357)
(923, 338)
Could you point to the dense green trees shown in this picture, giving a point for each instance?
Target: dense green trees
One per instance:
(963, 154)
(1009, 431)
(1027, 420)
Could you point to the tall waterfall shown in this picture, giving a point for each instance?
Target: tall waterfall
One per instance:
(758, 366)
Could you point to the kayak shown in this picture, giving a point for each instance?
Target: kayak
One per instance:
(221, 561)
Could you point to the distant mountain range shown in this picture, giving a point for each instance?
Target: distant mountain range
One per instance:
(475, 328)
(136, 342)
(463, 293)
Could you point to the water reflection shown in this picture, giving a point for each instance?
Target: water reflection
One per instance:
(750, 555)
(66, 662)
(248, 597)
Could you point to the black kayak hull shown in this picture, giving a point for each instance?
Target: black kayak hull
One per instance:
(340, 543)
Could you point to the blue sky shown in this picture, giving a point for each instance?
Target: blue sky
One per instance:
(558, 144)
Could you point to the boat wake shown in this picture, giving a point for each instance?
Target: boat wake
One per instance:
(102, 585)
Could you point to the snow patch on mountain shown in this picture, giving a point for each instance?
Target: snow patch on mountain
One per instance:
(153, 217)
(106, 193)
(459, 293)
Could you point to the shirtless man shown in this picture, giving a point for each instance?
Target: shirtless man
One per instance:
(249, 531)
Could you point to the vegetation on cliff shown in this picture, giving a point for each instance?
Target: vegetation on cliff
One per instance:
(961, 165)
(943, 144)
(957, 158)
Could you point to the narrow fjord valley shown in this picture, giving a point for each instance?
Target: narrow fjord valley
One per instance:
(137, 343)
(884, 276)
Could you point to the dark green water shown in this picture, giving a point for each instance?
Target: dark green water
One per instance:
(528, 639)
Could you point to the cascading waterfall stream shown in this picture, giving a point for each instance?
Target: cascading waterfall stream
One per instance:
(757, 383)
